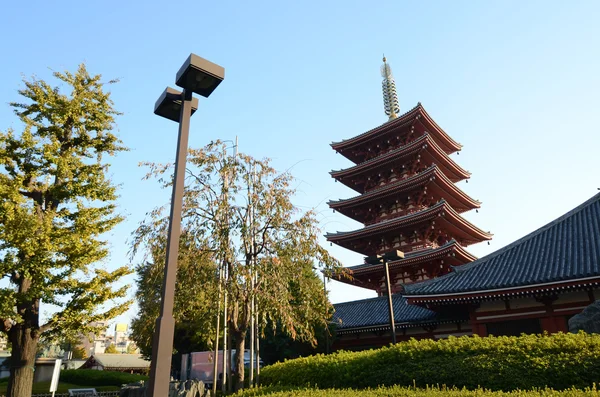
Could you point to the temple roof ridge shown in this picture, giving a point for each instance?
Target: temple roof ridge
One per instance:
(415, 289)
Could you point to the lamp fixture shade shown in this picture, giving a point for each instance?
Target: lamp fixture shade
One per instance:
(394, 255)
(199, 75)
(168, 104)
(374, 259)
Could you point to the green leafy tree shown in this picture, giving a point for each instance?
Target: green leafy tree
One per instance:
(111, 349)
(56, 202)
(79, 353)
(194, 307)
(241, 209)
(132, 348)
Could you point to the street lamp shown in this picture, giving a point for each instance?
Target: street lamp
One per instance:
(202, 77)
(385, 258)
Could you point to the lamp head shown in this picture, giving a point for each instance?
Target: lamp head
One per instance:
(169, 103)
(199, 75)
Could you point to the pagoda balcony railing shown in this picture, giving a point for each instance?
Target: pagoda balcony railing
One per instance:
(387, 215)
(411, 247)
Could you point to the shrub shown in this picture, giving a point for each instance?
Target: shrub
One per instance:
(396, 391)
(559, 361)
(91, 377)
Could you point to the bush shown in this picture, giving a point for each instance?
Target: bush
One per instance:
(397, 391)
(92, 377)
(559, 361)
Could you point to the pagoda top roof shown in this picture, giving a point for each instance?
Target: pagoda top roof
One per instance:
(566, 250)
(392, 189)
(449, 144)
(417, 257)
(431, 213)
(455, 171)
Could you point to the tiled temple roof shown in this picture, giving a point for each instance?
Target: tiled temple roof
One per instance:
(567, 250)
(373, 312)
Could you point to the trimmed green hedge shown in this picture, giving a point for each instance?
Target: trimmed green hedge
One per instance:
(92, 377)
(397, 391)
(559, 361)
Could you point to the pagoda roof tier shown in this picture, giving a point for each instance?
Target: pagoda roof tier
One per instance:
(433, 179)
(461, 257)
(442, 214)
(562, 255)
(349, 148)
(430, 153)
(366, 275)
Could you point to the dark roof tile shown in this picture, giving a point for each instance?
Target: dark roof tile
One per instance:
(567, 248)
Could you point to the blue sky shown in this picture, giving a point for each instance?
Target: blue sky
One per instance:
(516, 82)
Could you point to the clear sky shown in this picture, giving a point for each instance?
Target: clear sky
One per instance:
(516, 82)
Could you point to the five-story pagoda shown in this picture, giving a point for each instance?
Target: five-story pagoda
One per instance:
(408, 199)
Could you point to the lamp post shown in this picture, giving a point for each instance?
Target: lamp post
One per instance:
(376, 259)
(202, 77)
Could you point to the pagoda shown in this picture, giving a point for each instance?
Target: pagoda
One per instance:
(407, 198)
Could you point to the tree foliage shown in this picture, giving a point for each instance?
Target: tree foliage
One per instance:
(240, 211)
(111, 349)
(56, 202)
(194, 307)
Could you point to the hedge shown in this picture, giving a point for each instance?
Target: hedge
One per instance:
(397, 391)
(559, 361)
(92, 377)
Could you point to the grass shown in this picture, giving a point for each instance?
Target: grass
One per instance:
(399, 391)
(44, 387)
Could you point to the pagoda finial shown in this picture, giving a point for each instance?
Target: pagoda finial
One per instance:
(390, 98)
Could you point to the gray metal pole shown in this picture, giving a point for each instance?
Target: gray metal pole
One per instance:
(216, 357)
(390, 304)
(225, 371)
(162, 344)
(256, 325)
(327, 324)
(252, 270)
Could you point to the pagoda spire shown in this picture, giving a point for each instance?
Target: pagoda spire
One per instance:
(390, 98)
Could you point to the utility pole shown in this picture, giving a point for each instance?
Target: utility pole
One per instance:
(252, 271)
(226, 377)
(225, 371)
(256, 275)
(216, 356)
(327, 323)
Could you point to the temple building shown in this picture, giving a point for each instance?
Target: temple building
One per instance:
(408, 200)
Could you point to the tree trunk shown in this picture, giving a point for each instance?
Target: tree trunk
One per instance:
(22, 361)
(240, 345)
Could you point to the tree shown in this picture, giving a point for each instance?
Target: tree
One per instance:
(132, 348)
(194, 310)
(79, 353)
(111, 349)
(56, 202)
(241, 209)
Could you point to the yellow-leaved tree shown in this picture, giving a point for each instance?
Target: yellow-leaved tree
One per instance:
(56, 202)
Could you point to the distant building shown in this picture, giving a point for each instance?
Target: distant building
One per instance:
(121, 338)
(131, 363)
(3, 342)
(96, 343)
